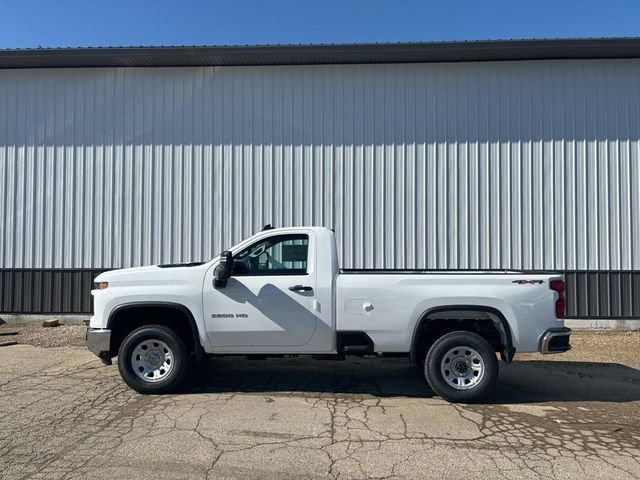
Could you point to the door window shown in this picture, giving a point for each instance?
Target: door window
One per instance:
(277, 255)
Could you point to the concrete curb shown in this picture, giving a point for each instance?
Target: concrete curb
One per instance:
(595, 324)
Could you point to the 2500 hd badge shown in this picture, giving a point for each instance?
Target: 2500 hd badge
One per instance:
(229, 315)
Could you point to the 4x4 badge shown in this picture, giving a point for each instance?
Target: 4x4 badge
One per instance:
(528, 282)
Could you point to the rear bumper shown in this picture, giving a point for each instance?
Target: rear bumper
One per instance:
(555, 340)
(99, 342)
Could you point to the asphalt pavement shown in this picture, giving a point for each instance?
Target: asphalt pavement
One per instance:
(65, 415)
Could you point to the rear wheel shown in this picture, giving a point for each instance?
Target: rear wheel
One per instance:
(461, 366)
(153, 359)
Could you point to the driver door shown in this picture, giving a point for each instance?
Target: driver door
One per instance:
(269, 299)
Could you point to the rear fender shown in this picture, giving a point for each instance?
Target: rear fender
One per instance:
(498, 319)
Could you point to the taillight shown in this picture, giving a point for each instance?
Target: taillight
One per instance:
(558, 286)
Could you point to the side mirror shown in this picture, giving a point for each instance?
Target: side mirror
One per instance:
(223, 270)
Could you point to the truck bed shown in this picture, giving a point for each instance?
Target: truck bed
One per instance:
(387, 303)
(413, 271)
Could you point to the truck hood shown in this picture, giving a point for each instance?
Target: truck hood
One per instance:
(153, 274)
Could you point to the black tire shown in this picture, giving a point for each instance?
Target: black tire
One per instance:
(153, 336)
(475, 373)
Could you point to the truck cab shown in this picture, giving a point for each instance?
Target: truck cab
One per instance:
(279, 295)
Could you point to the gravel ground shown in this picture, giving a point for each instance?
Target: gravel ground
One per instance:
(39, 336)
(602, 346)
(598, 346)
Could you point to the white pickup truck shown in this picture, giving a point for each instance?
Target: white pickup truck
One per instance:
(281, 292)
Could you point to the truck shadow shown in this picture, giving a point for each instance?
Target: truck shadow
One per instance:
(292, 323)
(541, 381)
(520, 382)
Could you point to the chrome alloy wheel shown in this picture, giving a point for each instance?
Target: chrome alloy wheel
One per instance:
(152, 360)
(462, 368)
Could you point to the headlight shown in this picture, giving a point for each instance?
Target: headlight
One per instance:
(100, 285)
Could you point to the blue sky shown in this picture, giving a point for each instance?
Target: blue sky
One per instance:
(65, 23)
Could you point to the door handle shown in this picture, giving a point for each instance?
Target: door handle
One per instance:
(300, 288)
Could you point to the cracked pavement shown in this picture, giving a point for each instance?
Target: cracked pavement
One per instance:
(65, 415)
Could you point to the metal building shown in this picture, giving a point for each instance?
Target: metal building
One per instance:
(471, 155)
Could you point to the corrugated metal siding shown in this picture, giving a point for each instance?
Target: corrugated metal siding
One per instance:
(37, 291)
(46, 290)
(530, 165)
(603, 294)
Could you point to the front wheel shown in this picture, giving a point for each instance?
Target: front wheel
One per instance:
(153, 359)
(461, 366)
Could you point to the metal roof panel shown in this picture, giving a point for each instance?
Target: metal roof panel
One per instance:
(416, 52)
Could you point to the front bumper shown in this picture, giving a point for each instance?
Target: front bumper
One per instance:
(555, 340)
(99, 343)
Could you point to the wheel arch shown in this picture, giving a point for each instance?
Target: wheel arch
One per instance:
(121, 313)
(498, 319)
